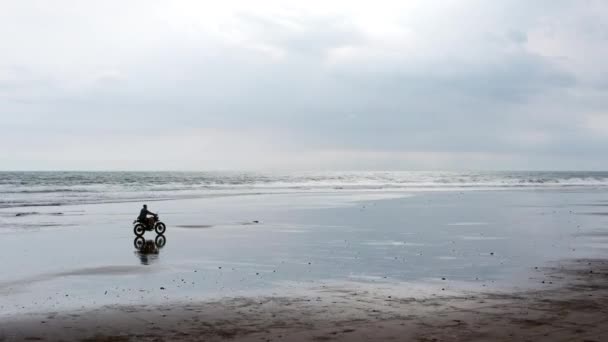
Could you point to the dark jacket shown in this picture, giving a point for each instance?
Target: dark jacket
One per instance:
(143, 214)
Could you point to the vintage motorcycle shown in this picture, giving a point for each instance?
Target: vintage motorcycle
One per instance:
(154, 223)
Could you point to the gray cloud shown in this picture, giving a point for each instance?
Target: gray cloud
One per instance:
(500, 81)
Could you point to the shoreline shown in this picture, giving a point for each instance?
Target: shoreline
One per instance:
(572, 307)
(297, 190)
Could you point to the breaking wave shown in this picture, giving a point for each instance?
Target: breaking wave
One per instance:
(19, 189)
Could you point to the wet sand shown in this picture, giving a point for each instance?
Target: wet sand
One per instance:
(478, 266)
(573, 307)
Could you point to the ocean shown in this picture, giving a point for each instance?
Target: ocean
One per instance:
(25, 189)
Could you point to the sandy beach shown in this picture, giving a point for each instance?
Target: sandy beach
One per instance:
(572, 310)
(431, 266)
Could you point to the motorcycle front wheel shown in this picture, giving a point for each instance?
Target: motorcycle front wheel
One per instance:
(160, 241)
(160, 228)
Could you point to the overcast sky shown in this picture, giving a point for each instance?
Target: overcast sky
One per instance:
(347, 85)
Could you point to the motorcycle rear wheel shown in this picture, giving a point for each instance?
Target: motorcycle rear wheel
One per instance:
(139, 229)
(139, 242)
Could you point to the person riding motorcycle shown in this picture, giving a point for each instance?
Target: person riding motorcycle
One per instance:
(143, 216)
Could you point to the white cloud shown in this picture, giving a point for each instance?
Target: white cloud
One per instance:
(340, 84)
(596, 124)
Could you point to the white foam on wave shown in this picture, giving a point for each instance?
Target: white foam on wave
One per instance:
(468, 224)
(393, 243)
(446, 258)
(481, 238)
(19, 189)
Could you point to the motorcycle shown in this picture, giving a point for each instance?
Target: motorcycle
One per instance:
(154, 223)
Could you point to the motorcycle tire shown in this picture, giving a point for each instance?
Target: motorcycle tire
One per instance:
(160, 228)
(139, 242)
(139, 229)
(160, 241)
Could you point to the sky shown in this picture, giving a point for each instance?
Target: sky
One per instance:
(304, 85)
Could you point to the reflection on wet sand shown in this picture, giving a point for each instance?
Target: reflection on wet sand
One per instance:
(21, 284)
(148, 250)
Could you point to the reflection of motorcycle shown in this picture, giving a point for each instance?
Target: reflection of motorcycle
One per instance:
(148, 250)
(149, 224)
(150, 246)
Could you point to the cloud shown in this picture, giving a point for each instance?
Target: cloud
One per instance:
(596, 124)
(221, 150)
(416, 84)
